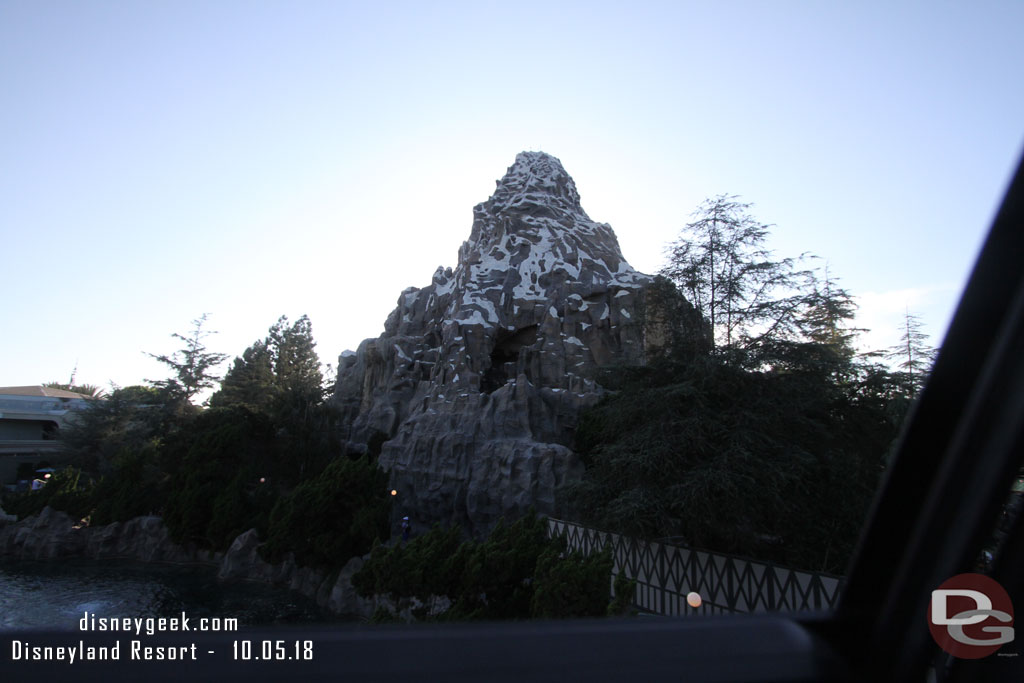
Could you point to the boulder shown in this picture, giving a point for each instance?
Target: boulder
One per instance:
(243, 561)
(45, 536)
(6, 518)
(343, 598)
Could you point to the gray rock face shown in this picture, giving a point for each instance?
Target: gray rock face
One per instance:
(243, 562)
(479, 377)
(46, 536)
(343, 598)
(6, 518)
(53, 535)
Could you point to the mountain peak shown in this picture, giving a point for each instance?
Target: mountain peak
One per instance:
(538, 163)
(536, 178)
(532, 241)
(479, 377)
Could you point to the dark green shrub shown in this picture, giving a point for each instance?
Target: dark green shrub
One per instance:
(67, 491)
(516, 573)
(215, 465)
(625, 593)
(498, 575)
(571, 584)
(333, 517)
(243, 504)
(129, 489)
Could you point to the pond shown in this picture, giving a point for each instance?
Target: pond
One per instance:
(56, 595)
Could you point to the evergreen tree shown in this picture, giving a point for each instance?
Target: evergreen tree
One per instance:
(720, 263)
(913, 355)
(296, 364)
(279, 374)
(307, 432)
(752, 463)
(213, 469)
(280, 377)
(128, 421)
(770, 446)
(250, 382)
(826, 325)
(830, 310)
(191, 366)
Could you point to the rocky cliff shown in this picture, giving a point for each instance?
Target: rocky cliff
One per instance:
(53, 535)
(479, 378)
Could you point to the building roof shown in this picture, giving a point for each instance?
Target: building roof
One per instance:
(48, 392)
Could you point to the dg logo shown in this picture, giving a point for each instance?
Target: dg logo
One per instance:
(970, 616)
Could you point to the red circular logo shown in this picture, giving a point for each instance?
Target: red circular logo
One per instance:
(970, 616)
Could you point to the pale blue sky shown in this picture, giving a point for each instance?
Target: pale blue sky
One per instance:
(250, 159)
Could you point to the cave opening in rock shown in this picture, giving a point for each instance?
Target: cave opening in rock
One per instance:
(504, 355)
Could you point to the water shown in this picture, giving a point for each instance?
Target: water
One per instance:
(55, 595)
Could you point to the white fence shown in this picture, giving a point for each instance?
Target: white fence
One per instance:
(665, 574)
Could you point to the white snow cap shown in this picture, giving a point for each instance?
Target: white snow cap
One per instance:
(531, 242)
(536, 173)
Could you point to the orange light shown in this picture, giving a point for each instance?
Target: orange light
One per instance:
(693, 599)
(394, 492)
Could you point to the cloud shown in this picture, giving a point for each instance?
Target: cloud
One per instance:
(882, 314)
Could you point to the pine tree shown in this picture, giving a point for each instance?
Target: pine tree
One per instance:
(720, 263)
(826, 322)
(913, 355)
(128, 421)
(250, 381)
(279, 373)
(192, 366)
(294, 356)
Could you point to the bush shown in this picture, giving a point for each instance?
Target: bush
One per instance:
(65, 491)
(571, 584)
(517, 573)
(215, 465)
(333, 517)
(130, 489)
(625, 593)
(243, 504)
(420, 568)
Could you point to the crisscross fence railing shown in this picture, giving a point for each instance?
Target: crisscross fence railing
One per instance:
(665, 574)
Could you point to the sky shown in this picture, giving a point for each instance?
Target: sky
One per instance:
(247, 160)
